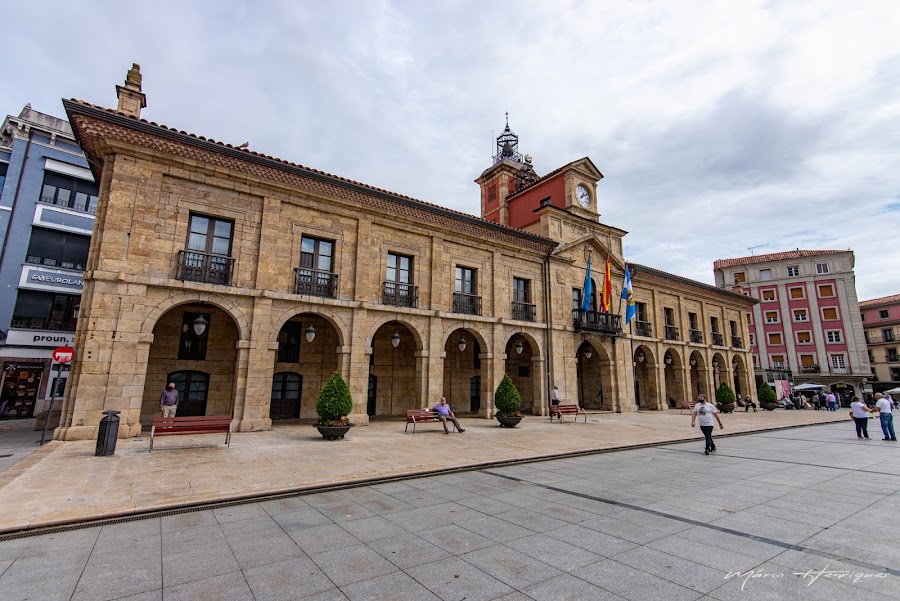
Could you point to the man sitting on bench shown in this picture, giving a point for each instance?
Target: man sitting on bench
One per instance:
(445, 414)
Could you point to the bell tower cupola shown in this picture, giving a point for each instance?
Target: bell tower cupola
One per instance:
(509, 172)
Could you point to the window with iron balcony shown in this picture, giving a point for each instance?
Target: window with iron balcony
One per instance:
(642, 327)
(398, 289)
(207, 256)
(316, 276)
(464, 298)
(522, 309)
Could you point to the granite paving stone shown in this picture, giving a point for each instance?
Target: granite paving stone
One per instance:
(568, 588)
(390, 587)
(323, 538)
(455, 539)
(557, 553)
(286, 580)
(454, 579)
(407, 550)
(372, 528)
(634, 584)
(352, 564)
(225, 587)
(509, 566)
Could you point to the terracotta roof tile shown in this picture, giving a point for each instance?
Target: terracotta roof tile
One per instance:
(877, 302)
(423, 206)
(791, 254)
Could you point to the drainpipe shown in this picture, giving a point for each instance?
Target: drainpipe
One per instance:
(548, 337)
(15, 202)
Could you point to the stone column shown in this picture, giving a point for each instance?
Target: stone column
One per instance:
(661, 404)
(541, 394)
(492, 365)
(353, 364)
(423, 378)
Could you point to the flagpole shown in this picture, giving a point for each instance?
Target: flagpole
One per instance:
(633, 364)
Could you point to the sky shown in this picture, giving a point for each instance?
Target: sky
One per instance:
(719, 126)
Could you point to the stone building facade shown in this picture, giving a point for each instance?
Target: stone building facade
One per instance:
(881, 321)
(248, 280)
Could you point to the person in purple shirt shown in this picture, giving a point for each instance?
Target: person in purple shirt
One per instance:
(168, 401)
(446, 414)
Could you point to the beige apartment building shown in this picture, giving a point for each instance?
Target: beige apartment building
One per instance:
(247, 280)
(806, 328)
(881, 320)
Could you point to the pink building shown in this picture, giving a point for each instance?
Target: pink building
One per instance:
(881, 320)
(807, 326)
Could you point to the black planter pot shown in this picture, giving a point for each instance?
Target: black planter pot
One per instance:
(767, 406)
(727, 408)
(333, 432)
(509, 422)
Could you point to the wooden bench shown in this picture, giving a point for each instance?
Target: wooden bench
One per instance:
(204, 424)
(560, 410)
(418, 416)
(689, 405)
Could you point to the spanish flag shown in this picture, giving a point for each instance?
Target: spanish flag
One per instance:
(606, 291)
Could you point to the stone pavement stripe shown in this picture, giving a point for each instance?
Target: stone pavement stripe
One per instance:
(831, 467)
(782, 544)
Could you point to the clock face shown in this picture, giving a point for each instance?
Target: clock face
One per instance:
(583, 196)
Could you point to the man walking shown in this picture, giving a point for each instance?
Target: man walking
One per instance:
(886, 413)
(445, 414)
(707, 412)
(168, 401)
(554, 403)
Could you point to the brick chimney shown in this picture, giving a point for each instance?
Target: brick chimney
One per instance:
(131, 99)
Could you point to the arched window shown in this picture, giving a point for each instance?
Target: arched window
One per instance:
(286, 387)
(193, 388)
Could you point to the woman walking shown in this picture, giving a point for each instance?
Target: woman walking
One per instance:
(859, 411)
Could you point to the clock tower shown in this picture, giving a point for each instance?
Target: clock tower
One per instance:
(509, 174)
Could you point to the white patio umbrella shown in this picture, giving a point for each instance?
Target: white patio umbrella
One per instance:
(893, 391)
(809, 386)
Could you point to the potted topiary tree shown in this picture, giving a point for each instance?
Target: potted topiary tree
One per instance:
(725, 398)
(767, 398)
(507, 401)
(332, 406)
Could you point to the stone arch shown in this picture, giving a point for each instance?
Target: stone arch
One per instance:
(673, 378)
(535, 347)
(646, 388)
(329, 315)
(395, 372)
(525, 371)
(186, 298)
(742, 383)
(594, 377)
(409, 325)
(698, 369)
(467, 375)
(721, 371)
(468, 327)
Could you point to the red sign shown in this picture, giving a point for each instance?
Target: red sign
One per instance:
(64, 354)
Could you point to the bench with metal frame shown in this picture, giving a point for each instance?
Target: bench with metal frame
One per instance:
(560, 410)
(418, 416)
(203, 424)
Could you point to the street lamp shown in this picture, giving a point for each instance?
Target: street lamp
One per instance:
(640, 356)
(395, 339)
(715, 365)
(200, 325)
(668, 359)
(395, 342)
(310, 333)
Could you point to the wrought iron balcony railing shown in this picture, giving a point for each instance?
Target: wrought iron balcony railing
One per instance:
(736, 342)
(840, 370)
(470, 304)
(522, 311)
(697, 336)
(718, 339)
(39, 323)
(315, 282)
(400, 295)
(594, 321)
(643, 328)
(810, 369)
(82, 207)
(196, 266)
(671, 333)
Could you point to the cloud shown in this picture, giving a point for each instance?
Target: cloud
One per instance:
(718, 125)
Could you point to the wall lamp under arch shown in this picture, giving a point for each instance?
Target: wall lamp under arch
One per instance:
(588, 352)
(668, 359)
(200, 325)
(519, 347)
(462, 343)
(310, 333)
(395, 339)
(693, 362)
(640, 356)
(715, 364)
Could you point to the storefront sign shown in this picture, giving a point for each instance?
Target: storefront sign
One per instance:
(41, 278)
(39, 338)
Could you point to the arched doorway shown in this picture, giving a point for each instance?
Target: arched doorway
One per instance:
(741, 379)
(721, 372)
(673, 378)
(194, 345)
(393, 381)
(521, 369)
(594, 377)
(698, 376)
(305, 359)
(463, 371)
(843, 392)
(646, 394)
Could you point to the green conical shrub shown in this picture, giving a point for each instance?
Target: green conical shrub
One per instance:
(725, 398)
(767, 398)
(507, 399)
(334, 402)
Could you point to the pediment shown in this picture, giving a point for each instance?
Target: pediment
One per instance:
(597, 245)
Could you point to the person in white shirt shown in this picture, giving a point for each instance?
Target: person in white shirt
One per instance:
(706, 412)
(886, 413)
(859, 411)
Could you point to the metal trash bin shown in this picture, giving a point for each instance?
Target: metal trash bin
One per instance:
(106, 436)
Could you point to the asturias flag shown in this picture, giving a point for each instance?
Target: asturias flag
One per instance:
(628, 296)
(588, 288)
(606, 292)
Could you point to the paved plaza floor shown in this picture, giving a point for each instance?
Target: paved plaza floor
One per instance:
(65, 482)
(806, 513)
